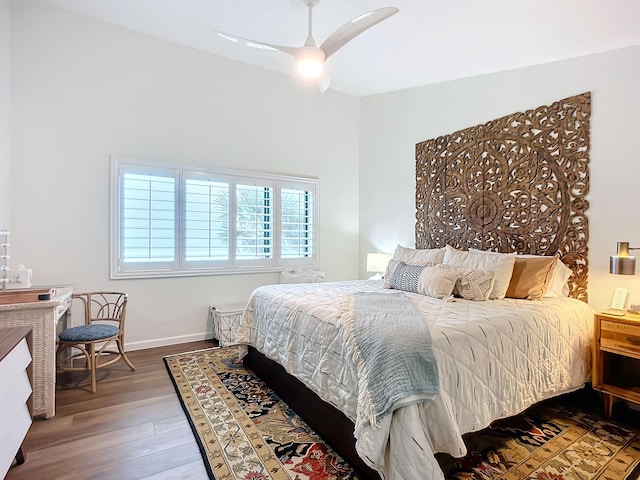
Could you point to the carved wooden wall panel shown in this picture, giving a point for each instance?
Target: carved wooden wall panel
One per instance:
(517, 183)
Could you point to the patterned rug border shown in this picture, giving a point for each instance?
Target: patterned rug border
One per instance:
(185, 409)
(584, 423)
(242, 428)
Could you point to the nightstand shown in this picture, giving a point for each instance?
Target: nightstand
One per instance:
(616, 359)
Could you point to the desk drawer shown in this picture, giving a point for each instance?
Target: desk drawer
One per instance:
(14, 396)
(16, 361)
(11, 438)
(620, 337)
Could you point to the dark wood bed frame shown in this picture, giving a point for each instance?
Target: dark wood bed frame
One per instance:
(331, 424)
(517, 183)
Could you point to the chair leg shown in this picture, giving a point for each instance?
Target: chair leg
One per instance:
(119, 342)
(63, 353)
(58, 351)
(92, 366)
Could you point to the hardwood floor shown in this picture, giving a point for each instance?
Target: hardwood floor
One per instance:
(132, 428)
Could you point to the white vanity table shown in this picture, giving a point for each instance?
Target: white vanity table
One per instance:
(21, 308)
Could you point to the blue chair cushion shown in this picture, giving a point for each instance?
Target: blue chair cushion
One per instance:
(88, 333)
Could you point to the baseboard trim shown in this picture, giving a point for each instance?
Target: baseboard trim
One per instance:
(163, 342)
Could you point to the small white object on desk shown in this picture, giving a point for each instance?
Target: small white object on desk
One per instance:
(20, 278)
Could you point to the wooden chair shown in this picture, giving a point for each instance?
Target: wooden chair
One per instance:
(104, 315)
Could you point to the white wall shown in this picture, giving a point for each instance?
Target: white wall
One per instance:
(5, 165)
(391, 125)
(83, 90)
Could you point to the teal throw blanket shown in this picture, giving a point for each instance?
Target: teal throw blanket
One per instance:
(392, 350)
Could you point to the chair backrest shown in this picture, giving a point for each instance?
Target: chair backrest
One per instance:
(104, 307)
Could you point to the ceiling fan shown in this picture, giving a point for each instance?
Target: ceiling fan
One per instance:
(310, 58)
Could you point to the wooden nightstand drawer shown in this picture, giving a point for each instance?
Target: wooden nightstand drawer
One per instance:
(621, 338)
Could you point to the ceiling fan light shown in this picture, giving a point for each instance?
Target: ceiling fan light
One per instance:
(310, 62)
(309, 69)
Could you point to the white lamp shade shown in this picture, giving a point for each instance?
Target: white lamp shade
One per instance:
(377, 262)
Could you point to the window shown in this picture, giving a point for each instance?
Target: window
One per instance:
(169, 221)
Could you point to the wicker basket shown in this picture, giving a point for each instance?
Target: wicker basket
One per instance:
(225, 320)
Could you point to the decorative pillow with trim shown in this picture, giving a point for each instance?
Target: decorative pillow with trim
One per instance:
(393, 264)
(432, 281)
(558, 285)
(531, 276)
(501, 264)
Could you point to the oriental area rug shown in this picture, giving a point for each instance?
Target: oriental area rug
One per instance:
(246, 432)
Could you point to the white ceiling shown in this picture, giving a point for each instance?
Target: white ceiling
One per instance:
(429, 41)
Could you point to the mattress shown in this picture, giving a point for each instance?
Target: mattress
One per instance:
(495, 359)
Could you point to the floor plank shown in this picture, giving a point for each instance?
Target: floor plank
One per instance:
(189, 470)
(133, 427)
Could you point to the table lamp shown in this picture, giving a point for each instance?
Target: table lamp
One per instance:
(622, 263)
(377, 262)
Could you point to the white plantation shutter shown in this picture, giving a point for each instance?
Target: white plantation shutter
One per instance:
(206, 220)
(148, 219)
(168, 220)
(254, 222)
(297, 207)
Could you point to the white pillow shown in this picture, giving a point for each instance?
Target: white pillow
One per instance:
(318, 276)
(301, 275)
(558, 284)
(418, 256)
(287, 277)
(432, 281)
(501, 264)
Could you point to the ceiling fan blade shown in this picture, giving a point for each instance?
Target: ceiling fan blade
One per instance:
(323, 82)
(355, 27)
(256, 44)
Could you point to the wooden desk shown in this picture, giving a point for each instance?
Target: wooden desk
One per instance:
(15, 393)
(43, 317)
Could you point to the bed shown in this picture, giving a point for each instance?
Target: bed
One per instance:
(516, 185)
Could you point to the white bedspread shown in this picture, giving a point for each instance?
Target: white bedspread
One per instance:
(495, 359)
